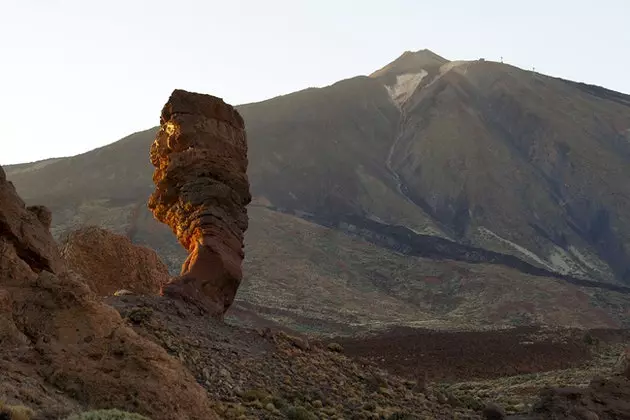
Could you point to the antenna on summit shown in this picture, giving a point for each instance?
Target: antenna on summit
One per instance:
(501, 59)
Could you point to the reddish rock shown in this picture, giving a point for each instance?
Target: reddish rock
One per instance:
(61, 348)
(109, 262)
(202, 191)
(27, 231)
(10, 336)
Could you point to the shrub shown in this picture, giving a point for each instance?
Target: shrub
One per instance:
(279, 402)
(300, 413)
(15, 412)
(138, 315)
(471, 402)
(335, 347)
(589, 340)
(255, 394)
(107, 415)
(400, 415)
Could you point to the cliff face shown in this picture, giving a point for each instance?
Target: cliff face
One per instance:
(55, 336)
(200, 156)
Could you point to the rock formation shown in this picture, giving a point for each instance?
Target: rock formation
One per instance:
(61, 349)
(202, 191)
(109, 262)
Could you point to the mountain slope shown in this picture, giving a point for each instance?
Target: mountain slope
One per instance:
(498, 154)
(486, 156)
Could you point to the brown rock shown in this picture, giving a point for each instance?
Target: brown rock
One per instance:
(71, 342)
(25, 231)
(109, 262)
(202, 191)
(10, 336)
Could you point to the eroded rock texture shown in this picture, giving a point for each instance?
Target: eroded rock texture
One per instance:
(202, 191)
(61, 349)
(109, 262)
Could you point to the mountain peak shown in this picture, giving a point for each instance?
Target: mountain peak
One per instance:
(411, 62)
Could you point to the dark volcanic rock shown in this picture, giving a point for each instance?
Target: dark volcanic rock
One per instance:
(200, 155)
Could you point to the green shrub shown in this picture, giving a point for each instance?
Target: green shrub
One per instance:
(471, 402)
(300, 413)
(279, 402)
(255, 394)
(589, 340)
(107, 415)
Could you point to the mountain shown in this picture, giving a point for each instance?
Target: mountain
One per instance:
(481, 153)
(451, 192)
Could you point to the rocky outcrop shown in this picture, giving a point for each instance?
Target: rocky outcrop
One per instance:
(202, 190)
(109, 262)
(60, 348)
(26, 230)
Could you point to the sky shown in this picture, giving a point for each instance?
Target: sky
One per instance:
(80, 74)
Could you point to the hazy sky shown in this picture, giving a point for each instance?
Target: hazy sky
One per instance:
(79, 74)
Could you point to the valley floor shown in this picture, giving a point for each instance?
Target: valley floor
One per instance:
(267, 373)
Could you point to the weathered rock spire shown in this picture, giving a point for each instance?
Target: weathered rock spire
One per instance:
(202, 191)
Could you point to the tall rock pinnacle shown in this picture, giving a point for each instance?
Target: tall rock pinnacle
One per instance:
(202, 190)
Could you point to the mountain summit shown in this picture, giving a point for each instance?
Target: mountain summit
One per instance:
(411, 62)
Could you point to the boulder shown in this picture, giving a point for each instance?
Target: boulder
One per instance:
(109, 262)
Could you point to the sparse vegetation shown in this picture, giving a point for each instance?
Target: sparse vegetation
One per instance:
(255, 394)
(336, 347)
(15, 412)
(590, 340)
(107, 415)
(279, 403)
(300, 413)
(516, 393)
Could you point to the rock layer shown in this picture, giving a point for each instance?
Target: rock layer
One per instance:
(109, 262)
(60, 348)
(202, 190)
